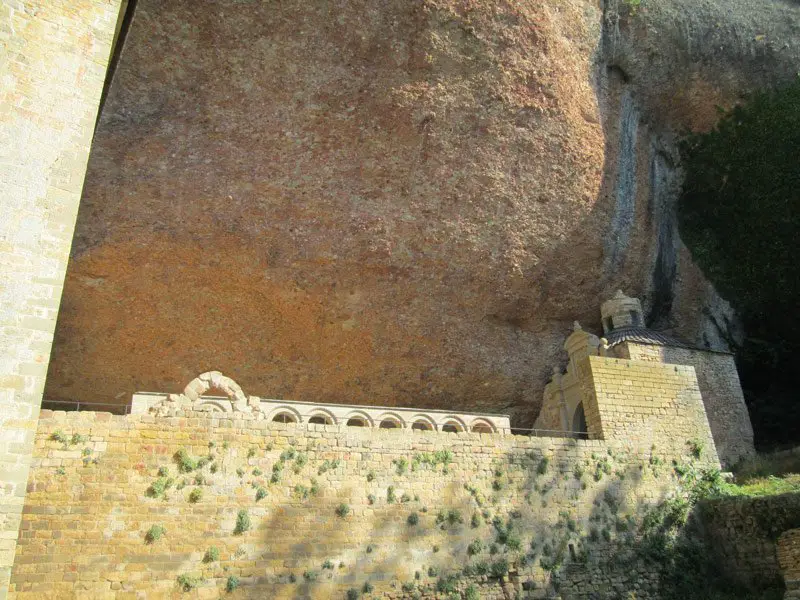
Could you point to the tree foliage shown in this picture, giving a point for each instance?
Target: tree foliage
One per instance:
(740, 216)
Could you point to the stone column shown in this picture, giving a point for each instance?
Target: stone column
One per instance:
(53, 60)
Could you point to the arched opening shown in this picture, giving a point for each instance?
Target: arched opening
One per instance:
(421, 425)
(579, 421)
(482, 427)
(452, 427)
(320, 420)
(284, 417)
(356, 422)
(389, 423)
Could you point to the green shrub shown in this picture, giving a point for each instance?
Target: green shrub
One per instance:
(454, 517)
(242, 522)
(401, 464)
(159, 487)
(366, 588)
(446, 585)
(432, 572)
(499, 568)
(232, 583)
(187, 583)
(371, 498)
(251, 453)
(513, 542)
(240, 472)
(475, 547)
(475, 521)
(211, 555)
(195, 495)
(310, 575)
(214, 467)
(481, 568)
(390, 497)
(60, 437)
(471, 593)
(413, 519)
(370, 476)
(541, 468)
(695, 448)
(342, 511)
(352, 594)
(369, 549)
(257, 472)
(261, 493)
(185, 463)
(154, 534)
(328, 564)
(163, 472)
(740, 217)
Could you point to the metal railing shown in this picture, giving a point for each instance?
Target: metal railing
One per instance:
(73, 405)
(556, 433)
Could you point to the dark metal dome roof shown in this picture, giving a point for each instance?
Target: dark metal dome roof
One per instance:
(643, 336)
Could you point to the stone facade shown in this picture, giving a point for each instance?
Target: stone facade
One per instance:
(708, 375)
(719, 385)
(55, 54)
(317, 493)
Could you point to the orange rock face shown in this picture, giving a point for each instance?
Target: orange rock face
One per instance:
(386, 202)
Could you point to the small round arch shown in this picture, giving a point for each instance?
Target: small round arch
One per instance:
(453, 424)
(358, 418)
(391, 421)
(422, 423)
(285, 414)
(213, 405)
(482, 426)
(322, 417)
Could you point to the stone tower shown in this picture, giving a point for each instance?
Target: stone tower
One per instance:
(621, 311)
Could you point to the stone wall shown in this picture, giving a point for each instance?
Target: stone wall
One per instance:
(55, 54)
(789, 561)
(721, 391)
(743, 534)
(397, 509)
(651, 405)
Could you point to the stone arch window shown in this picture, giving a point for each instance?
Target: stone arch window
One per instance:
(452, 426)
(320, 419)
(358, 418)
(422, 425)
(482, 426)
(284, 417)
(390, 421)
